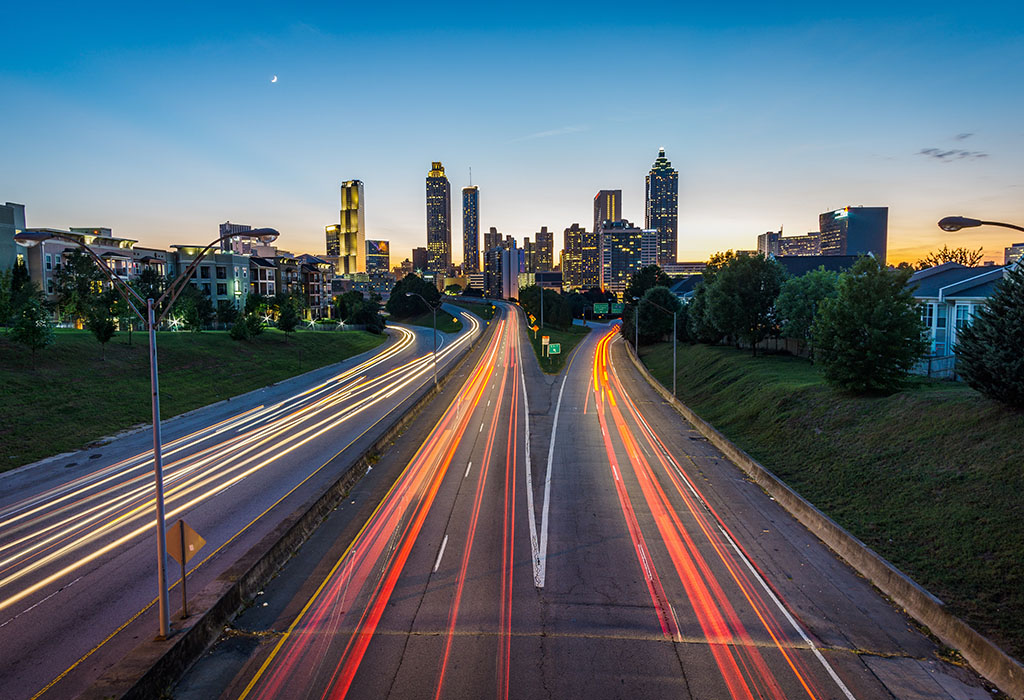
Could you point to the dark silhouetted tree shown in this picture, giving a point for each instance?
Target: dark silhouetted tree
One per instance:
(990, 351)
(869, 335)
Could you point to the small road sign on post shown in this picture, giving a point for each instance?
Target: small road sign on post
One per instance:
(600, 308)
(544, 340)
(554, 349)
(183, 543)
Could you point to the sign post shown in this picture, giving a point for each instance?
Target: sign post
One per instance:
(183, 543)
(544, 344)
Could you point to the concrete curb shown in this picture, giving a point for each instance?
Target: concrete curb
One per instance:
(1005, 672)
(153, 667)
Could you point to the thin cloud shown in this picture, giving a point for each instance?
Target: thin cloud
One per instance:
(962, 137)
(552, 132)
(948, 156)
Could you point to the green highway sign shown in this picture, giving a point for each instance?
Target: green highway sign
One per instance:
(617, 308)
(555, 349)
(600, 308)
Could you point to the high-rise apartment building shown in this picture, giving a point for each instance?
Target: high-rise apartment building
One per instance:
(419, 260)
(378, 257)
(607, 207)
(590, 259)
(774, 243)
(12, 221)
(492, 239)
(621, 252)
(1011, 253)
(439, 222)
(855, 231)
(502, 266)
(346, 240)
(529, 255)
(470, 229)
(544, 247)
(572, 270)
(649, 240)
(662, 211)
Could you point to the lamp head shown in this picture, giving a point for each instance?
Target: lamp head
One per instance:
(27, 239)
(408, 294)
(266, 235)
(955, 223)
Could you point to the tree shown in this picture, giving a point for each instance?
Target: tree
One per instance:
(945, 254)
(364, 312)
(6, 302)
(656, 323)
(401, 306)
(988, 351)
(870, 334)
(193, 308)
(150, 284)
(644, 279)
(99, 319)
(741, 298)
(699, 324)
(77, 283)
(453, 289)
(472, 292)
(240, 328)
(557, 311)
(31, 326)
(799, 301)
(288, 319)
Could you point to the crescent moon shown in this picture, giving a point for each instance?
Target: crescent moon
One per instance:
(274, 79)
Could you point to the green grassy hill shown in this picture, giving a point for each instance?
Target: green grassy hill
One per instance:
(932, 477)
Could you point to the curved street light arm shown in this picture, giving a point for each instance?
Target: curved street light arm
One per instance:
(1004, 225)
(116, 282)
(175, 288)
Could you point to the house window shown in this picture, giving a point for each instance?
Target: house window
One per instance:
(206, 287)
(49, 286)
(222, 273)
(204, 272)
(48, 262)
(964, 315)
(222, 289)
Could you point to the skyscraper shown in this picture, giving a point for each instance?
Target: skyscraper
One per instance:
(572, 270)
(346, 240)
(378, 257)
(419, 260)
(607, 207)
(492, 239)
(470, 229)
(855, 231)
(544, 248)
(590, 259)
(622, 254)
(662, 207)
(439, 222)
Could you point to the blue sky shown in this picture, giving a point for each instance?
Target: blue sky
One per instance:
(162, 123)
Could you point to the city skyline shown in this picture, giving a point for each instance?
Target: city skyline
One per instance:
(163, 139)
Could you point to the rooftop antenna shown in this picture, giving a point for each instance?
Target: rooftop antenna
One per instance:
(471, 176)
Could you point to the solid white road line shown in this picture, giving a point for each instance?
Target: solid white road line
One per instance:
(531, 515)
(468, 467)
(444, 543)
(547, 490)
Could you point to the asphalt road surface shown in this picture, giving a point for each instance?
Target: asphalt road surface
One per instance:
(77, 544)
(567, 537)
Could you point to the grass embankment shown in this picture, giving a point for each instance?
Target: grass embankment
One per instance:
(445, 321)
(483, 309)
(72, 396)
(931, 477)
(568, 339)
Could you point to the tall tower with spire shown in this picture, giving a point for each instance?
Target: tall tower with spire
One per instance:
(439, 222)
(662, 212)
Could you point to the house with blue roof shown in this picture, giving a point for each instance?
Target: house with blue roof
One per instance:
(950, 295)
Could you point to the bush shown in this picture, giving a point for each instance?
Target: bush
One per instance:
(240, 328)
(870, 334)
(989, 352)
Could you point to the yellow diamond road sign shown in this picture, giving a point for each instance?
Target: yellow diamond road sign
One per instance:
(183, 542)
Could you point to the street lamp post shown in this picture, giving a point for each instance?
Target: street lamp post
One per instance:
(636, 327)
(675, 338)
(136, 303)
(433, 310)
(955, 223)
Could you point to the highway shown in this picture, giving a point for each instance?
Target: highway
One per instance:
(567, 537)
(77, 544)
